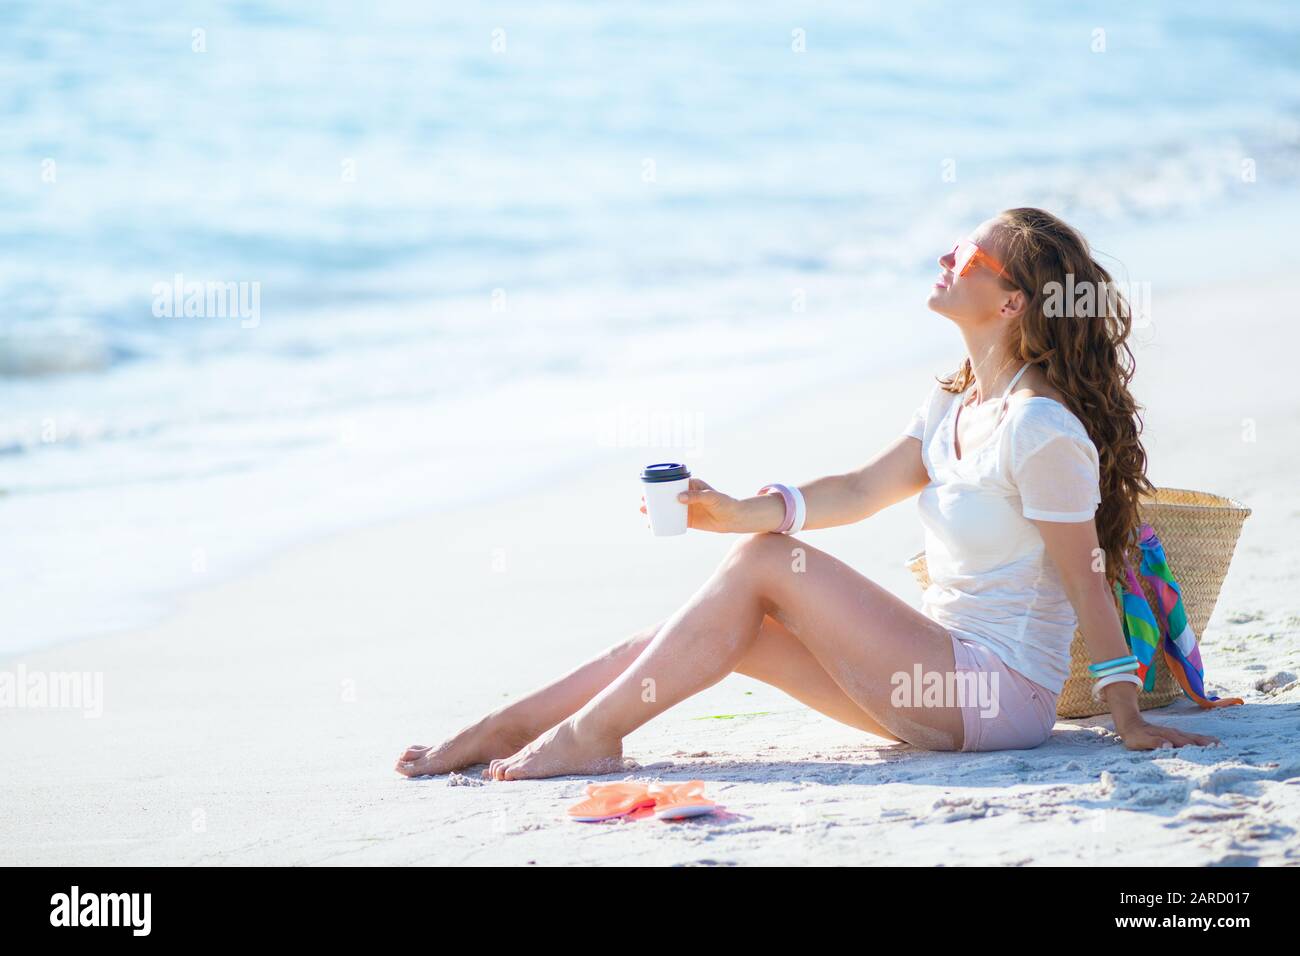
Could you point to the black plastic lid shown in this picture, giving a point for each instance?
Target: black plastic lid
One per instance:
(665, 471)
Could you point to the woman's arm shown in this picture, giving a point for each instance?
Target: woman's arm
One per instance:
(896, 473)
(1073, 548)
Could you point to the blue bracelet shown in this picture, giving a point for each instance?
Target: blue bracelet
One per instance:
(1099, 670)
(1130, 659)
(1117, 669)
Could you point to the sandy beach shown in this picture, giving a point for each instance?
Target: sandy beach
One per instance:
(258, 724)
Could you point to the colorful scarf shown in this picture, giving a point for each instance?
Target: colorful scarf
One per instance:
(1144, 631)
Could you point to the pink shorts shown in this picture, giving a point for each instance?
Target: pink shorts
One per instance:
(1009, 712)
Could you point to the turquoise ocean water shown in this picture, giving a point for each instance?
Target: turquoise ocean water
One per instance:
(484, 243)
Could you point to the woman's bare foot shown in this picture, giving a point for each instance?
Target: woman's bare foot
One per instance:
(478, 743)
(560, 751)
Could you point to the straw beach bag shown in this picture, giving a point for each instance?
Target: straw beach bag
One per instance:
(1199, 532)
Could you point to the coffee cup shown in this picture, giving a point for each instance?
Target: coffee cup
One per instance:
(662, 483)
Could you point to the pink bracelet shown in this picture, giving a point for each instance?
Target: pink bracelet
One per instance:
(788, 497)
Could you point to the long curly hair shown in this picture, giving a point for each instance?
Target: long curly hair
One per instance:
(1081, 344)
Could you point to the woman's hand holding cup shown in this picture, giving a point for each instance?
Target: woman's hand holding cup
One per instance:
(706, 508)
(677, 502)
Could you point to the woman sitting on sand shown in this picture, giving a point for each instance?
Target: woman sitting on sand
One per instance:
(1029, 483)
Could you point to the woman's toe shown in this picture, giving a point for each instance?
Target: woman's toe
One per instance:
(416, 761)
(408, 768)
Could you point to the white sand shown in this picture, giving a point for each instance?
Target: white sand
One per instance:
(259, 724)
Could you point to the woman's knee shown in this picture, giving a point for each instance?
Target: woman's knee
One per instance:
(765, 562)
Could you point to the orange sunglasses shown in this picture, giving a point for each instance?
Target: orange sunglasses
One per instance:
(968, 255)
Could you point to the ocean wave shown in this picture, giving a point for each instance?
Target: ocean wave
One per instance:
(35, 349)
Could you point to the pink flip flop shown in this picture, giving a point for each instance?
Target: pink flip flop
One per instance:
(609, 801)
(676, 801)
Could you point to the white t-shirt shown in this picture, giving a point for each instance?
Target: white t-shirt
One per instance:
(991, 579)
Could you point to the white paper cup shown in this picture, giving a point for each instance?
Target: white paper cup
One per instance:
(662, 483)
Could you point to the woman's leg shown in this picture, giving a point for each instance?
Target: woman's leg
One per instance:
(780, 659)
(859, 633)
(776, 657)
(504, 731)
